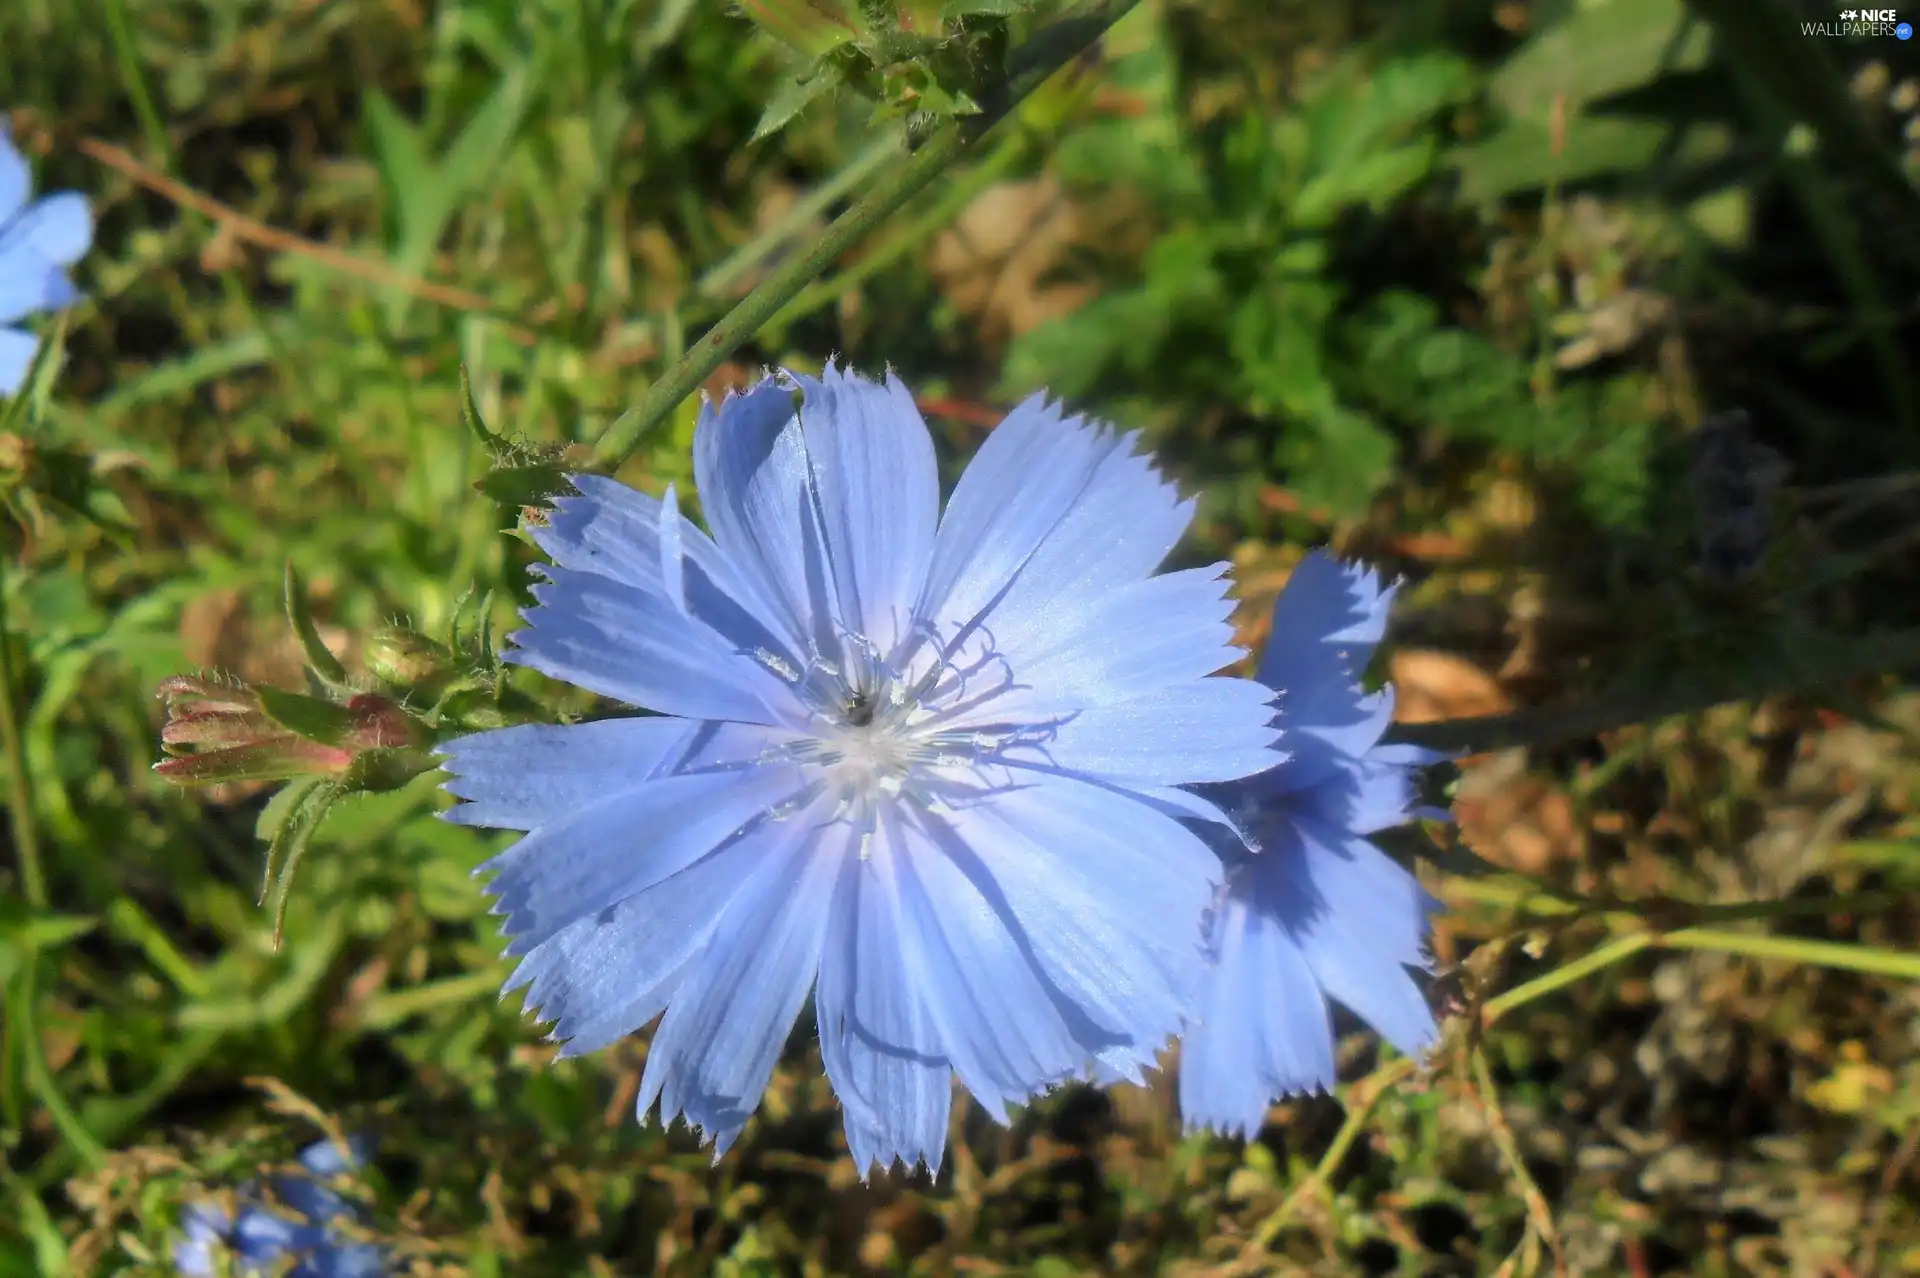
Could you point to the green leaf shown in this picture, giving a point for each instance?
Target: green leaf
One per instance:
(793, 96)
(25, 933)
(959, 9)
(496, 445)
(532, 485)
(309, 717)
(1600, 49)
(318, 655)
(292, 835)
(1374, 179)
(30, 401)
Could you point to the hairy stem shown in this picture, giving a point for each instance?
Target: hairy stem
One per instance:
(1031, 64)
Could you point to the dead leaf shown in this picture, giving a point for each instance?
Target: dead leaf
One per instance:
(1430, 685)
(1513, 818)
(996, 262)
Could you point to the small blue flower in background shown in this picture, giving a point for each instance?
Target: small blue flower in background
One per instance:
(38, 241)
(1315, 912)
(301, 1226)
(924, 768)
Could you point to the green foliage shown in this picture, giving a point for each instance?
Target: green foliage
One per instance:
(1242, 287)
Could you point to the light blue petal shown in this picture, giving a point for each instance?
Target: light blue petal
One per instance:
(519, 777)
(875, 1030)
(1360, 920)
(624, 844)
(615, 531)
(715, 1050)
(1206, 730)
(878, 489)
(1340, 876)
(17, 350)
(1010, 1033)
(1134, 641)
(193, 1256)
(28, 286)
(1326, 624)
(1051, 514)
(311, 1195)
(750, 463)
(260, 1235)
(16, 180)
(596, 633)
(345, 1260)
(1364, 797)
(1325, 604)
(1325, 740)
(316, 1203)
(58, 228)
(606, 975)
(326, 1158)
(1106, 897)
(204, 1226)
(1264, 1028)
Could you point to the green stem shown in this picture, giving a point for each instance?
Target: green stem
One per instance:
(1795, 949)
(1032, 64)
(1614, 951)
(127, 54)
(1847, 659)
(1360, 1099)
(772, 294)
(824, 291)
(26, 835)
(794, 221)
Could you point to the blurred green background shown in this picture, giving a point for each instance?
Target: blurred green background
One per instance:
(1451, 284)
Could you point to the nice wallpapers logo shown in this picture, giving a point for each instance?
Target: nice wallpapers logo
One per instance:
(1862, 22)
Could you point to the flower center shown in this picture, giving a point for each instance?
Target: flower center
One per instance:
(912, 723)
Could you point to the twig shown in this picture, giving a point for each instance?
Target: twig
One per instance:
(1361, 1099)
(274, 240)
(1483, 734)
(1508, 1146)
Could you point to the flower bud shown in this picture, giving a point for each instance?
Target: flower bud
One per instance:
(217, 732)
(402, 658)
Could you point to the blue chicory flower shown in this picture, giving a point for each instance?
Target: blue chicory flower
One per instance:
(38, 241)
(1312, 911)
(930, 761)
(304, 1226)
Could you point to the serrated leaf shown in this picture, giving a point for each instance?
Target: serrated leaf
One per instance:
(793, 97)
